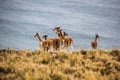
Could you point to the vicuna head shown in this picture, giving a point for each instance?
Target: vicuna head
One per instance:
(65, 34)
(36, 35)
(44, 37)
(56, 29)
(94, 42)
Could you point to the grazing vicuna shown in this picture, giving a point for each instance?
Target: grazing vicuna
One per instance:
(94, 42)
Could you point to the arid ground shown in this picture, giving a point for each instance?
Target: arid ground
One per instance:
(78, 65)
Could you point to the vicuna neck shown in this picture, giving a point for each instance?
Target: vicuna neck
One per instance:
(60, 35)
(39, 38)
(95, 38)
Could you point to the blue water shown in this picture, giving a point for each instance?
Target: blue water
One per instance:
(81, 19)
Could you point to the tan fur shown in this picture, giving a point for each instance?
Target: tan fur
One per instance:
(69, 41)
(59, 33)
(61, 41)
(66, 42)
(94, 42)
(55, 42)
(45, 45)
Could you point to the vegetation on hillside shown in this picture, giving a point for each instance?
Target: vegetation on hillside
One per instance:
(78, 65)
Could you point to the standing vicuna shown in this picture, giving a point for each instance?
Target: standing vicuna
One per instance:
(44, 44)
(68, 40)
(57, 30)
(55, 43)
(48, 40)
(94, 42)
(65, 42)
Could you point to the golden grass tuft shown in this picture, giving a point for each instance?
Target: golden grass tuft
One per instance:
(77, 65)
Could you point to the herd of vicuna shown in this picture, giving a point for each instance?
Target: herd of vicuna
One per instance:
(62, 42)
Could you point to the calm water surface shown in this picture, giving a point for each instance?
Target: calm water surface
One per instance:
(81, 19)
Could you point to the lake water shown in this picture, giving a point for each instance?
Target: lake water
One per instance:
(81, 19)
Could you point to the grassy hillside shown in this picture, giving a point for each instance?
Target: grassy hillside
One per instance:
(78, 65)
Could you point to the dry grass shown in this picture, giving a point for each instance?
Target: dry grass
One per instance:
(78, 65)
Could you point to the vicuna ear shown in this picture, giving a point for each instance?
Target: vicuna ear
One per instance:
(97, 35)
(56, 28)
